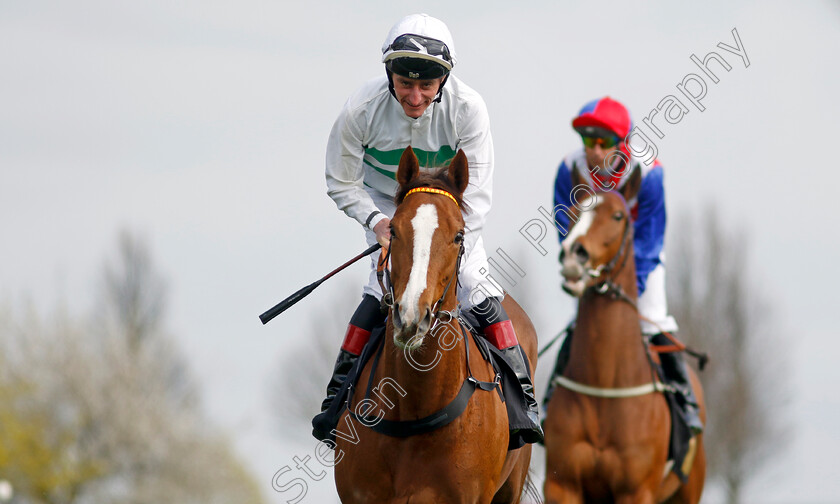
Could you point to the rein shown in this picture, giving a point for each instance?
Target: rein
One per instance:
(383, 273)
(456, 407)
(440, 316)
(608, 287)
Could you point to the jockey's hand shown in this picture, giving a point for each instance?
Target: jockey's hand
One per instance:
(383, 232)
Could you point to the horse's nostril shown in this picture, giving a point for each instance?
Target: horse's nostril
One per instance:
(580, 252)
(426, 323)
(583, 255)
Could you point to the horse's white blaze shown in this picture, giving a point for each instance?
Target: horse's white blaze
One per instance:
(582, 226)
(424, 222)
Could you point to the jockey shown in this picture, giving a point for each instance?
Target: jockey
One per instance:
(418, 103)
(604, 125)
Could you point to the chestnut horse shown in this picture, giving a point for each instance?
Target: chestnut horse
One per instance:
(607, 440)
(424, 363)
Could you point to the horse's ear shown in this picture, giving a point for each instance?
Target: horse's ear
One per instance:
(633, 185)
(459, 171)
(409, 167)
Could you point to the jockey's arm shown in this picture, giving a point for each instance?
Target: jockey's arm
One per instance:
(477, 143)
(562, 199)
(649, 228)
(345, 172)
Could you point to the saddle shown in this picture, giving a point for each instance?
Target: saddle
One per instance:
(681, 444)
(505, 384)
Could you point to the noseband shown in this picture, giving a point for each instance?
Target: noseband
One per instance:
(608, 285)
(383, 274)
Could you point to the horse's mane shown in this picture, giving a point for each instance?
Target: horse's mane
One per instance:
(438, 179)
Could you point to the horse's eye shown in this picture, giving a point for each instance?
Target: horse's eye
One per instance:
(393, 233)
(618, 216)
(459, 237)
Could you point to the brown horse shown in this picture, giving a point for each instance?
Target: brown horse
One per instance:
(424, 363)
(607, 428)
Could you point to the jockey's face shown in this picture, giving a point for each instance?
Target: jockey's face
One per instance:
(415, 95)
(596, 155)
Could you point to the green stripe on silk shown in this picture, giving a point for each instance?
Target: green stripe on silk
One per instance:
(427, 159)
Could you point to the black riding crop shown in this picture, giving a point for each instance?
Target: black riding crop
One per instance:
(302, 293)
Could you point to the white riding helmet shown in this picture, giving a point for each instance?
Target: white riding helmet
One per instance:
(419, 47)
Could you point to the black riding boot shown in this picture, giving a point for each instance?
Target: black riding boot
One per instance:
(367, 316)
(676, 373)
(498, 330)
(516, 357)
(559, 364)
(343, 364)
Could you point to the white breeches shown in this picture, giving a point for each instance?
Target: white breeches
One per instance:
(653, 304)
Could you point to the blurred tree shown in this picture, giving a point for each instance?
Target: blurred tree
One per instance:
(33, 454)
(133, 294)
(104, 410)
(132, 307)
(720, 308)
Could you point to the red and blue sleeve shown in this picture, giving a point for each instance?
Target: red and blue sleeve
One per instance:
(650, 224)
(562, 199)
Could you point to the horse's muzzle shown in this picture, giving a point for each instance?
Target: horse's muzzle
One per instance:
(573, 270)
(409, 327)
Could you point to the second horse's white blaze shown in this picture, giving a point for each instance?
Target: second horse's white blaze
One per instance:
(424, 222)
(582, 226)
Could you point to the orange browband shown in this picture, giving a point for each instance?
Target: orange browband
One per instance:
(433, 191)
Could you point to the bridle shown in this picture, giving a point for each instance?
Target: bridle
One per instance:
(383, 273)
(608, 286)
(453, 410)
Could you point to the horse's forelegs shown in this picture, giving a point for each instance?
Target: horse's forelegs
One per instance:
(515, 474)
(560, 493)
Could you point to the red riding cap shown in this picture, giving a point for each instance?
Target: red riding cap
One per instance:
(603, 114)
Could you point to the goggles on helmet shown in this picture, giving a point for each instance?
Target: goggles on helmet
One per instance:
(593, 135)
(410, 46)
(607, 142)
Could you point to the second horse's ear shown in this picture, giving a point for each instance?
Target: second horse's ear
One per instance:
(409, 167)
(633, 185)
(459, 171)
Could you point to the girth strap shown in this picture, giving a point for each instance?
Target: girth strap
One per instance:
(613, 393)
(406, 428)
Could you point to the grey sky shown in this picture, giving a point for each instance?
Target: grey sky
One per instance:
(202, 126)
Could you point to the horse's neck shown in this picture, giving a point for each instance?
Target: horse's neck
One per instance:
(607, 348)
(430, 376)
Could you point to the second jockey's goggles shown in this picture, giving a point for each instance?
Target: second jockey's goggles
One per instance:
(607, 142)
(593, 135)
(417, 46)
